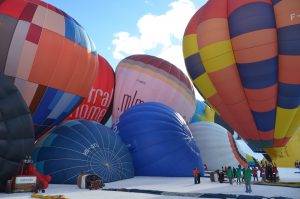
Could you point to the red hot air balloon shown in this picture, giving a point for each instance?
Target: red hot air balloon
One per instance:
(98, 105)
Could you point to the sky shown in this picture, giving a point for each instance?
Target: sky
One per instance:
(120, 28)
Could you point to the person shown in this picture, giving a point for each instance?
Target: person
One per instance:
(195, 171)
(198, 176)
(229, 174)
(274, 172)
(254, 173)
(238, 175)
(243, 174)
(221, 176)
(247, 178)
(234, 172)
(263, 173)
(205, 167)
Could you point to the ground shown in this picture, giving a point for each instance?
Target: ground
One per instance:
(171, 188)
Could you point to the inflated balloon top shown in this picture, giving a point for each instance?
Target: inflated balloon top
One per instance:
(97, 105)
(145, 78)
(243, 56)
(158, 139)
(50, 57)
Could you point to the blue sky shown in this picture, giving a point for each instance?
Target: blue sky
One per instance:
(104, 19)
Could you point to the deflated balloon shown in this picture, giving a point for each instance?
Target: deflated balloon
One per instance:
(159, 140)
(144, 78)
(16, 134)
(98, 105)
(84, 146)
(243, 57)
(217, 146)
(49, 56)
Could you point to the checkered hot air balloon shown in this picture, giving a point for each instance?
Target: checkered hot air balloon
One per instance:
(49, 57)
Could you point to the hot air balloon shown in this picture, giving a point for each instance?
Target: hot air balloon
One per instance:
(159, 140)
(144, 78)
(286, 156)
(17, 133)
(205, 113)
(78, 146)
(98, 105)
(49, 56)
(217, 146)
(243, 57)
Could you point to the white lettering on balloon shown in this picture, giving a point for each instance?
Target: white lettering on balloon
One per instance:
(94, 109)
(294, 16)
(89, 149)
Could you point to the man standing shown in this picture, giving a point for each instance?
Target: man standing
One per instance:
(247, 178)
(195, 175)
(238, 174)
(229, 174)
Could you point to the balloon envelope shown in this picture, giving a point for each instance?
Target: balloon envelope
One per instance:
(97, 106)
(243, 57)
(159, 140)
(16, 134)
(217, 146)
(49, 56)
(82, 146)
(205, 113)
(145, 78)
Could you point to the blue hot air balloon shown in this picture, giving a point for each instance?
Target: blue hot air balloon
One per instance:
(159, 140)
(82, 146)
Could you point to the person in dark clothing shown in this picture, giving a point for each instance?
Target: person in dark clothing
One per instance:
(198, 176)
(254, 174)
(195, 175)
(234, 172)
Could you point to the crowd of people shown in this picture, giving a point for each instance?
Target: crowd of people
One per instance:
(267, 172)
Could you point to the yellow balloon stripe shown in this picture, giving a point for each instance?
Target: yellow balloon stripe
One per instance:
(190, 45)
(284, 118)
(295, 125)
(217, 56)
(205, 85)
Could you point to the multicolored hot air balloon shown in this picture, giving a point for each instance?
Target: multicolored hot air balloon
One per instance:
(159, 140)
(217, 145)
(243, 57)
(286, 156)
(49, 56)
(16, 134)
(205, 113)
(144, 78)
(98, 105)
(78, 146)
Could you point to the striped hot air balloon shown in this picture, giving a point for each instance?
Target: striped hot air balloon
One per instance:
(49, 56)
(243, 56)
(145, 78)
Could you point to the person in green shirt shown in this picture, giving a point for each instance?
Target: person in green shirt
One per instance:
(238, 174)
(229, 174)
(247, 178)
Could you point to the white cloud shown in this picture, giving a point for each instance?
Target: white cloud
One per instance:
(158, 33)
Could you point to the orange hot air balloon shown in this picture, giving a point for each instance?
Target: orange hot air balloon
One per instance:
(98, 105)
(243, 56)
(49, 57)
